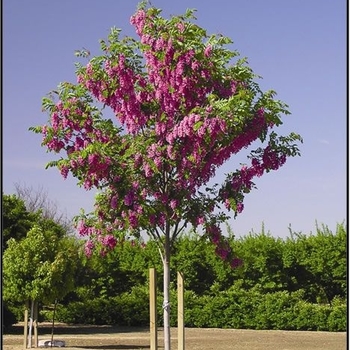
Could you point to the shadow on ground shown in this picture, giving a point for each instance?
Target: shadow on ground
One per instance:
(115, 347)
(45, 328)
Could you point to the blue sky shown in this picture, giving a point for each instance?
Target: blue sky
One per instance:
(298, 47)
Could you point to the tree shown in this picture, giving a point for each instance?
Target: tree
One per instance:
(38, 201)
(16, 220)
(182, 109)
(39, 267)
(28, 207)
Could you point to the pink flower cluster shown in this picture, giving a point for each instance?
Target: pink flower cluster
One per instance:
(241, 181)
(106, 241)
(72, 130)
(223, 250)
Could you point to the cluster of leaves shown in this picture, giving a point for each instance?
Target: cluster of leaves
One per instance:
(17, 221)
(39, 267)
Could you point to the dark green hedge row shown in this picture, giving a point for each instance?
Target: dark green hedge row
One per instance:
(234, 308)
(126, 309)
(253, 310)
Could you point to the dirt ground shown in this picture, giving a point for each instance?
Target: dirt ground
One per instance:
(121, 338)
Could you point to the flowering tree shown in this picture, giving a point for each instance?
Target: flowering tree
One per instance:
(182, 109)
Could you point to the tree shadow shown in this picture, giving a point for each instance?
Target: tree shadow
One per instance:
(115, 347)
(44, 329)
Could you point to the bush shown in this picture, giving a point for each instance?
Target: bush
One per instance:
(283, 284)
(241, 309)
(127, 309)
(312, 317)
(98, 311)
(337, 321)
(276, 310)
(235, 308)
(133, 307)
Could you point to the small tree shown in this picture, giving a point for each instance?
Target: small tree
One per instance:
(39, 267)
(183, 108)
(19, 217)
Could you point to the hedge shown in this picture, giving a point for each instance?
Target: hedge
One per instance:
(235, 308)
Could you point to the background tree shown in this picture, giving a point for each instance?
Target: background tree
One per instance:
(183, 109)
(263, 257)
(39, 267)
(193, 257)
(16, 219)
(316, 263)
(28, 207)
(38, 200)
(116, 273)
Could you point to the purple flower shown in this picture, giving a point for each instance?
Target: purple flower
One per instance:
(114, 202)
(236, 262)
(207, 51)
(240, 207)
(109, 241)
(129, 198)
(173, 204)
(89, 246)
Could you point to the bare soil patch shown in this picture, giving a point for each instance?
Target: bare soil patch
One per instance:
(121, 338)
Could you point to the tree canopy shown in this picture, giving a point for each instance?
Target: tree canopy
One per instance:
(39, 267)
(182, 108)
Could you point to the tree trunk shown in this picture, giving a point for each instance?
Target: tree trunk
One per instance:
(53, 321)
(25, 344)
(31, 324)
(166, 287)
(35, 323)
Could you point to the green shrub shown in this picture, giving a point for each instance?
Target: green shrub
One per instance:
(235, 308)
(133, 307)
(312, 317)
(337, 319)
(283, 284)
(96, 311)
(241, 309)
(127, 309)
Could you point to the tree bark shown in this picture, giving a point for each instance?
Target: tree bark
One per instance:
(35, 322)
(166, 292)
(25, 343)
(31, 324)
(53, 321)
